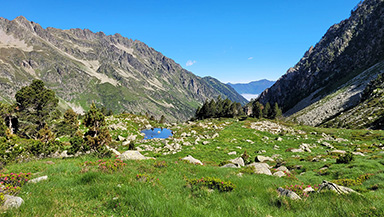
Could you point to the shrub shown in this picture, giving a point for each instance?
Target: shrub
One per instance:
(160, 164)
(13, 182)
(108, 166)
(345, 159)
(212, 183)
(248, 170)
(353, 182)
(147, 179)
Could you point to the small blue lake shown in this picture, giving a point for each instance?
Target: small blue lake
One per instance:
(160, 133)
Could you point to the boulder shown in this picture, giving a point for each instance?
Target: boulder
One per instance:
(283, 169)
(358, 153)
(205, 142)
(309, 190)
(261, 168)
(39, 179)
(297, 150)
(326, 144)
(279, 174)
(262, 159)
(192, 160)
(338, 152)
(230, 166)
(288, 193)
(279, 139)
(132, 155)
(113, 150)
(334, 187)
(238, 161)
(120, 138)
(305, 147)
(12, 202)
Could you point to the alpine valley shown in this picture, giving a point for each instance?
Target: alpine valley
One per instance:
(111, 70)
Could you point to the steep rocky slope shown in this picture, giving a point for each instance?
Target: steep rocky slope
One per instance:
(82, 66)
(339, 67)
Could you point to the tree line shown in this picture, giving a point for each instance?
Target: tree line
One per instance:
(220, 108)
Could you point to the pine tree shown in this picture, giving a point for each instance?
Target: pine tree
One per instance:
(277, 113)
(267, 111)
(257, 110)
(35, 104)
(94, 119)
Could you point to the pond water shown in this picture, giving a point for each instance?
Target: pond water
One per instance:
(160, 133)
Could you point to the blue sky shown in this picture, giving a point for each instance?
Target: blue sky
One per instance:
(233, 41)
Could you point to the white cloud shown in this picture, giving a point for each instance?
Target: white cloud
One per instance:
(249, 58)
(190, 62)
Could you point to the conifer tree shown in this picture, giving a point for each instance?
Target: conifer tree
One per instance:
(35, 104)
(257, 110)
(267, 111)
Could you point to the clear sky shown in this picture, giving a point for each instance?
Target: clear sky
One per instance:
(233, 41)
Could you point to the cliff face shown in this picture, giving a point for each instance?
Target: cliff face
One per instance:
(345, 52)
(82, 66)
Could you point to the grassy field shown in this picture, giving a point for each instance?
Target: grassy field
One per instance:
(159, 187)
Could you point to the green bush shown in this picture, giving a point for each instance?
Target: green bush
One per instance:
(345, 159)
(353, 182)
(212, 183)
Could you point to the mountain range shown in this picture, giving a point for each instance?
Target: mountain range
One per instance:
(252, 89)
(327, 85)
(116, 72)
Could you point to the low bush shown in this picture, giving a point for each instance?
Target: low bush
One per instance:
(353, 182)
(160, 164)
(212, 183)
(345, 159)
(108, 166)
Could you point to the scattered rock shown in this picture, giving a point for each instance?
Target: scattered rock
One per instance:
(39, 179)
(338, 152)
(261, 168)
(279, 174)
(133, 155)
(113, 150)
(232, 153)
(262, 159)
(11, 202)
(283, 169)
(205, 142)
(309, 190)
(50, 162)
(229, 166)
(334, 187)
(295, 150)
(279, 139)
(120, 138)
(288, 193)
(276, 147)
(326, 144)
(192, 160)
(358, 153)
(238, 147)
(238, 161)
(305, 147)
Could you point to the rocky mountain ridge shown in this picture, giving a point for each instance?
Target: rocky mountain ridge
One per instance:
(114, 71)
(339, 63)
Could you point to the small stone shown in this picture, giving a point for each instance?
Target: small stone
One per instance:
(205, 142)
(279, 139)
(279, 174)
(11, 202)
(232, 153)
(229, 166)
(358, 153)
(261, 168)
(39, 179)
(192, 160)
(120, 138)
(50, 162)
(288, 193)
(238, 161)
(262, 159)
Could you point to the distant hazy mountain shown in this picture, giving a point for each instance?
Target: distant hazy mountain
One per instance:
(252, 89)
(82, 66)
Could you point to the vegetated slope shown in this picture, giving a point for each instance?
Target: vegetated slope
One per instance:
(254, 87)
(349, 51)
(82, 66)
